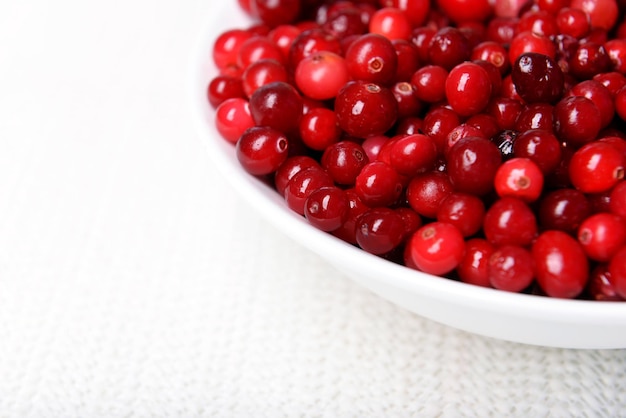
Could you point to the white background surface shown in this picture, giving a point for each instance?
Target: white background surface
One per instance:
(134, 283)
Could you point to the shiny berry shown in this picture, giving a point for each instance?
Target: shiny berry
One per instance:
(561, 266)
(436, 248)
(425, 192)
(465, 211)
(596, 167)
(510, 221)
(372, 58)
(344, 161)
(302, 184)
(537, 78)
(577, 120)
(511, 268)
(472, 165)
(519, 177)
(277, 105)
(365, 109)
(474, 266)
(601, 235)
(379, 230)
(321, 75)
(261, 150)
(326, 208)
(563, 209)
(378, 184)
(233, 118)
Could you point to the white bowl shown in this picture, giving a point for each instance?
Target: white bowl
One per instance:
(513, 317)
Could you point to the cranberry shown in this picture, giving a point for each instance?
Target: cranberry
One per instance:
(506, 111)
(321, 75)
(472, 165)
(589, 59)
(344, 161)
(429, 82)
(519, 177)
(561, 266)
(311, 41)
(537, 78)
(406, 97)
(596, 167)
(345, 23)
(468, 88)
(415, 10)
(372, 58)
(283, 36)
(378, 184)
(602, 13)
(617, 203)
(529, 41)
(438, 123)
(436, 248)
(365, 109)
(511, 268)
(474, 266)
(379, 230)
(563, 209)
(302, 184)
(510, 221)
(577, 120)
(466, 10)
(391, 22)
(448, 48)
(601, 285)
(226, 47)
(261, 150)
(327, 208)
(572, 22)
(290, 168)
(275, 12)
(257, 48)
(413, 154)
(540, 146)
(599, 95)
(408, 59)
(494, 53)
(601, 235)
(616, 50)
(277, 105)
(465, 211)
(347, 231)
(319, 128)
(233, 118)
(224, 87)
(538, 21)
(426, 191)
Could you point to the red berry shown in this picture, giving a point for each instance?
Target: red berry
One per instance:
(319, 128)
(233, 118)
(365, 109)
(436, 248)
(390, 22)
(474, 266)
(372, 57)
(277, 105)
(425, 192)
(596, 167)
(577, 120)
(561, 266)
(511, 268)
(302, 184)
(413, 154)
(563, 209)
(472, 165)
(465, 211)
(379, 230)
(261, 150)
(466, 10)
(510, 221)
(327, 208)
(378, 184)
(601, 235)
(602, 13)
(321, 75)
(468, 88)
(521, 178)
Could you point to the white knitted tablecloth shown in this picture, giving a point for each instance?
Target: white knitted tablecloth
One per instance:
(135, 283)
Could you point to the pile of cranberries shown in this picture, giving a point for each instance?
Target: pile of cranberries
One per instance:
(483, 141)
